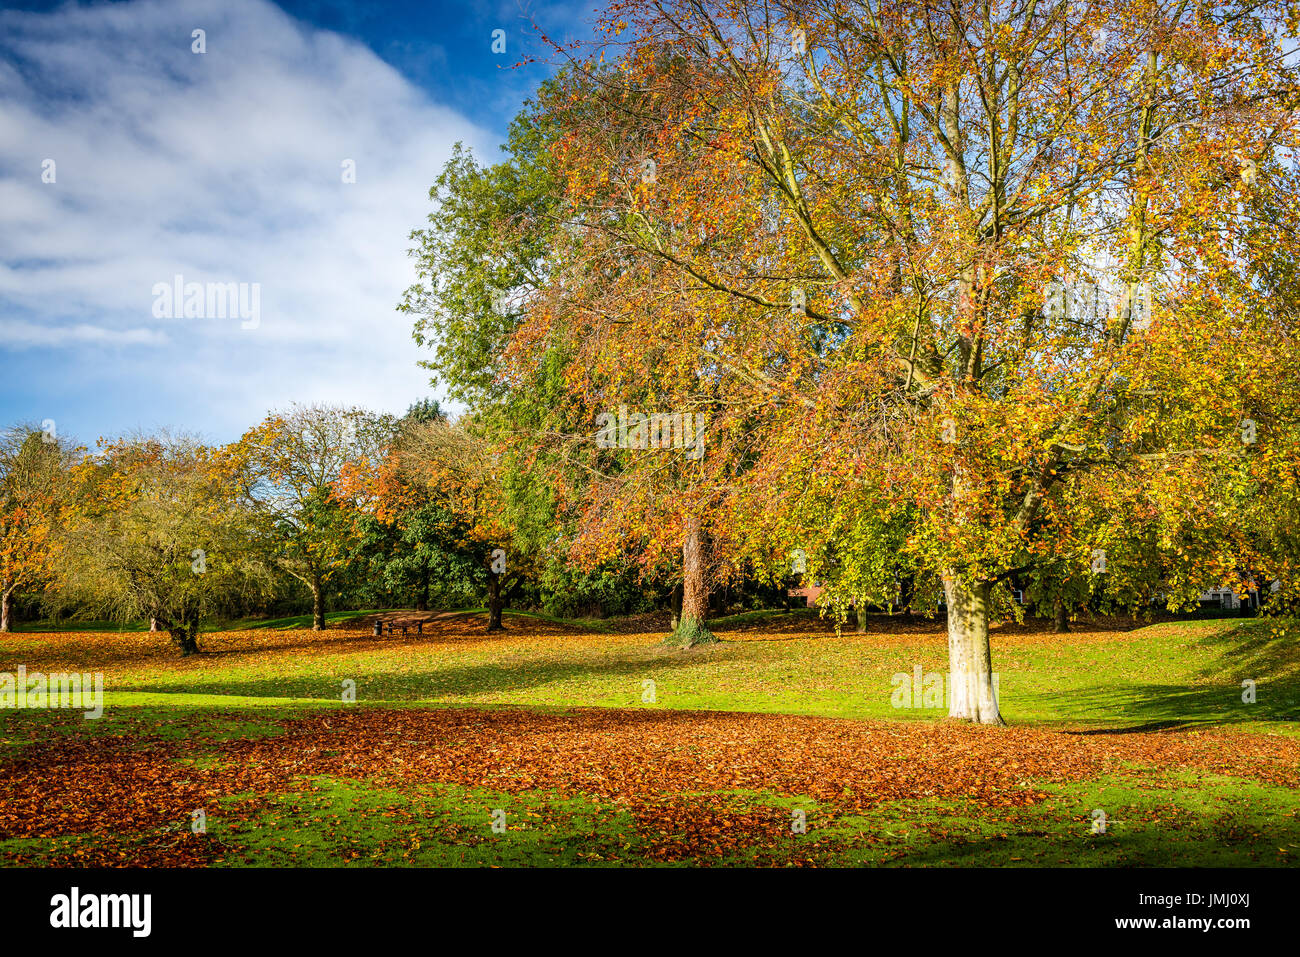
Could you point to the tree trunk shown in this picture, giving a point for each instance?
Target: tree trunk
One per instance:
(496, 602)
(186, 638)
(317, 604)
(1062, 615)
(691, 629)
(906, 592)
(153, 624)
(6, 607)
(862, 618)
(971, 694)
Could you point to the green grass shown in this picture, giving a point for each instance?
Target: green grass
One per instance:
(199, 727)
(1176, 673)
(1158, 820)
(431, 826)
(297, 621)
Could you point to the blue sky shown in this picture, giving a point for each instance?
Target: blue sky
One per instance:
(127, 159)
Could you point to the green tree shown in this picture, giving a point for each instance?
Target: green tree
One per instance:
(481, 254)
(408, 536)
(298, 458)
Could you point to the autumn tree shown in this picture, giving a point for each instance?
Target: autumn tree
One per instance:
(298, 457)
(163, 531)
(458, 470)
(496, 247)
(978, 262)
(481, 258)
(34, 467)
(409, 535)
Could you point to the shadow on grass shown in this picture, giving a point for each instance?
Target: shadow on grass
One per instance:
(1137, 728)
(1153, 707)
(1130, 845)
(1247, 658)
(1254, 650)
(455, 681)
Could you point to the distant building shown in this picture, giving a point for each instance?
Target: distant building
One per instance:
(1224, 598)
(1231, 598)
(810, 594)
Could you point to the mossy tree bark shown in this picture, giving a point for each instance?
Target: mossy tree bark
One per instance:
(691, 628)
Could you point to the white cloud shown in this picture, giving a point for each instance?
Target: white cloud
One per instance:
(20, 334)
(223, 167)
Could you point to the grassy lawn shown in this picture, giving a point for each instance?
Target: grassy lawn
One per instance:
(596, 744)
(1187, 672)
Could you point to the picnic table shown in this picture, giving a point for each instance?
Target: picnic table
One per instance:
(394, 624)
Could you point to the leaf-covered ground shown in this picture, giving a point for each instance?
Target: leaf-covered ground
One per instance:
(550, 731)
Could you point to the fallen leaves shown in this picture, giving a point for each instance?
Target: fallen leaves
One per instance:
(675, 772)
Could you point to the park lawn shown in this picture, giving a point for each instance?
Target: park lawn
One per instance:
(1185, 672)
(554, 726)
(331, 822)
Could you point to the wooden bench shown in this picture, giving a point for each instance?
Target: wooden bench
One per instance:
(394, 625)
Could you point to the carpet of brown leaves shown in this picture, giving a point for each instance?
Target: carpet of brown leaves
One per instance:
(663, 767)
